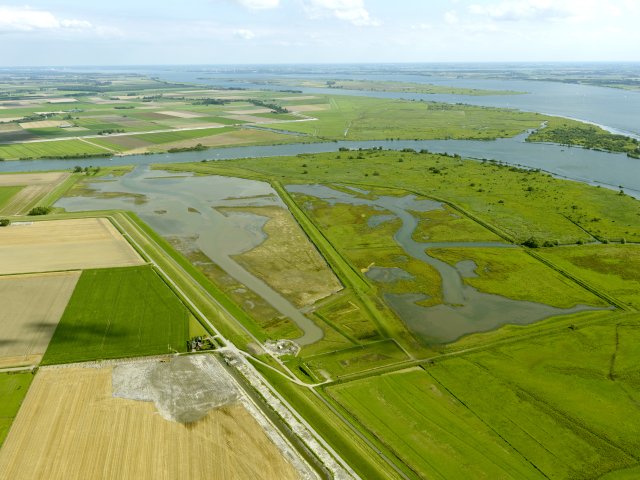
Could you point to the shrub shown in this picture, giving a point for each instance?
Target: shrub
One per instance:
(39, 211)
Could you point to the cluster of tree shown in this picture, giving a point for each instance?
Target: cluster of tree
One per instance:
(274, 107)
(109, 131)
(210, 101)
(124, 107)
(587, 136)
(90, 170)
(197, 148)
(39, 211)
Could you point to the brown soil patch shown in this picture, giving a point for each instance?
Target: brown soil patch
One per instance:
(287, 260)
(237, 137)
(63, 245)
(70, 427)
(128, 141)
(250, 118)
(31, 308)
(45, 124)
(182, 114)
(12, 179)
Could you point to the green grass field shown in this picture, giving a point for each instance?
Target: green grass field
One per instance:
(119, 312)
(611, 268)
(62, 148)
(448, 225)
(359, 118)
(573, 414)
(356, 359)
(517, 203)
(168, 137)
(6, 193)
(13, 388)
(513, 273)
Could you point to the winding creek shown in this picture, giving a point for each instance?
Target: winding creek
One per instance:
(465, 309)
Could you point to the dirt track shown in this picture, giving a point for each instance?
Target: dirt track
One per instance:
(70, 427)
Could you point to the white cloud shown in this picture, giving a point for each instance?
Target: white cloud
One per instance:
(352, 11)
(522, 10)
(25, 19)
(244, 33)
(259, 4)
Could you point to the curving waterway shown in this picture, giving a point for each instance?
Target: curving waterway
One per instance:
(611, 170)
(464, 309)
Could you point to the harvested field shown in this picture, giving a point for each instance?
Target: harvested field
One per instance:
(37, 186)
(124, 142)
(300, 97)
(31, 308)
(250, 118)
(84, 432)
(249, 111)
(287, 260)
(63, 245)
(181, 114)
(235, 137)
(60, 100)
(11, 179)
(308, 108)
(46, 124)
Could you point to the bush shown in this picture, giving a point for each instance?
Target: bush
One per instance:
(5, 222)
(531, 242)
(39, 211)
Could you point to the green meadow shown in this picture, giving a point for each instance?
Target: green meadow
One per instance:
(513, 273)
(6, 193)
(13, 388)
(119, 312)
(561, 406)
(360, 118)
(516, 203)
(611, 268)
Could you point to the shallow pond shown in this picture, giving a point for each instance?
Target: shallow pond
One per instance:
(187, 207)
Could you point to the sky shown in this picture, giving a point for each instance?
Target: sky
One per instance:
(152, 32)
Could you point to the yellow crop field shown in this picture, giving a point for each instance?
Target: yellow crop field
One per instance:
(63, 245)
(36, 186)
(71, 427)
(31, 308)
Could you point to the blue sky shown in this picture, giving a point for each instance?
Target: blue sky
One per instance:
(118, 32)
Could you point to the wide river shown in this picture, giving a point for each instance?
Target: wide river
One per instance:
(610, 170)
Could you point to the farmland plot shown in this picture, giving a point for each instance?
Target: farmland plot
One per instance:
(85, 432)
(63, 245)
(31, 308)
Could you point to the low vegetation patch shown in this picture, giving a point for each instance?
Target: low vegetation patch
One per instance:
(119, 312)
(13, 388)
